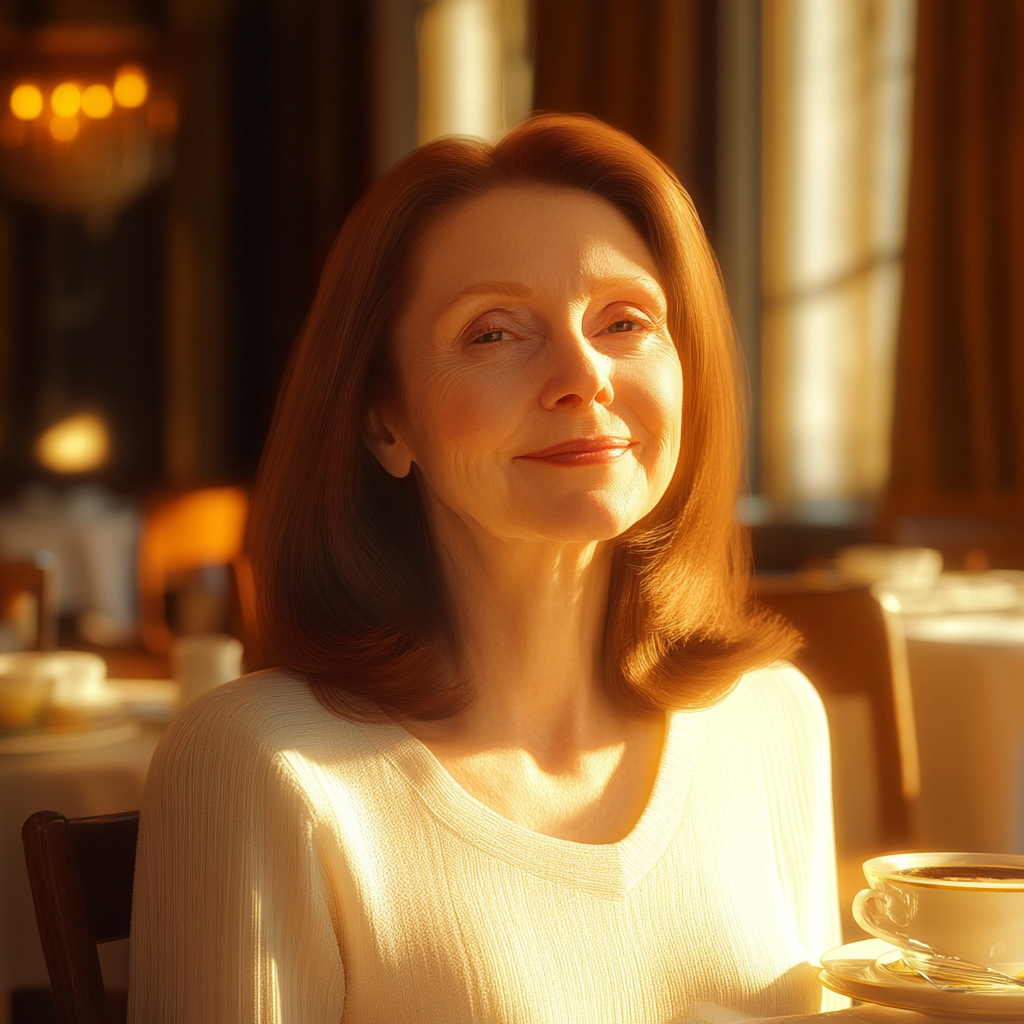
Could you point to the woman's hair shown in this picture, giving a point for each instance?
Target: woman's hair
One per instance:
(351, 590)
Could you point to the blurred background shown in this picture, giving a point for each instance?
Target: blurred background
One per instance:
(173, 172)
(857, 165)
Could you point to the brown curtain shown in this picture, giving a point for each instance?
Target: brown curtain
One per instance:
(645, 66)
(958, 437)
(298, 158)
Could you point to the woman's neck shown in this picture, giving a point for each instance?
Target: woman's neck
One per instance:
(541, 743)
(530, 617)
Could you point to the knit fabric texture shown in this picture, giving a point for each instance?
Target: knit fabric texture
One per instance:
(297, 868)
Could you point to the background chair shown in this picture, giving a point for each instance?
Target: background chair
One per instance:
(859, 666)
(848, 652)
(27, 587)
(186, 534)
(81, 872)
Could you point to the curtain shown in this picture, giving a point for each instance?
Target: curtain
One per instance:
(958, 437)
(836, 122)
(645, 66)
(297, 149)
(474, 75)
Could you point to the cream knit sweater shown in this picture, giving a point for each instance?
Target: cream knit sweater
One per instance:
(294, 867)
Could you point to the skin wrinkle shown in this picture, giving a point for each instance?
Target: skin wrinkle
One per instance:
(581, 349)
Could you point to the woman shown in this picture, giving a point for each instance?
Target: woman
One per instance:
(531, 756)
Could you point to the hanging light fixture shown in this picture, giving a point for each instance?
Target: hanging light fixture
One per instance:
(87, 118)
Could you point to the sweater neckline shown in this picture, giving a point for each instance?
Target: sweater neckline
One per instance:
(609, 870)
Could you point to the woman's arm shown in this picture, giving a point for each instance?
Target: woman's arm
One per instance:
(232, 917)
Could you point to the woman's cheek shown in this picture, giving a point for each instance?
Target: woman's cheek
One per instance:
(654, 390)
(472, 413)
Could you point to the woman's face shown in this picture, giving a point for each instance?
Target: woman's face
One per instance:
(542, 390)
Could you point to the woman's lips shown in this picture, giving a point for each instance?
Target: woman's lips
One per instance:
(583, 451)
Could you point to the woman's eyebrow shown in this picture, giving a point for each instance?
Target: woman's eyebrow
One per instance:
(644, 281)
(521, 291)
(512, 288)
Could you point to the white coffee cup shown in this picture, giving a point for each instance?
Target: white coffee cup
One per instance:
(947, 911)
(205, 661)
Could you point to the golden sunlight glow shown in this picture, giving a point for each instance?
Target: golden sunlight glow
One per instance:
(130, 86)
(64, 129)
(97, 102)
(77, 444)
(66, 100)
(26, 102)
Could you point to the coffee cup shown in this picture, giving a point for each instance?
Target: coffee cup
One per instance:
(963, 906)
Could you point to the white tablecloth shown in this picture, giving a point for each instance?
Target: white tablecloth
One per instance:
(967, 677)
(78, 783)
(95, 551)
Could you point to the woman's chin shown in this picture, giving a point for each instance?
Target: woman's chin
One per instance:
(579, 522)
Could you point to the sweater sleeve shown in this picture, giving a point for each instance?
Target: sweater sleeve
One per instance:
(232, 919)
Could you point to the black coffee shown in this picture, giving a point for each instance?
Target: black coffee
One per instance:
(965, 873)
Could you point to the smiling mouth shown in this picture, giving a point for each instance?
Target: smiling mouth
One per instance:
(583, 451)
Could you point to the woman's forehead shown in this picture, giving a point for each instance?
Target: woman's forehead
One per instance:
(529, 237)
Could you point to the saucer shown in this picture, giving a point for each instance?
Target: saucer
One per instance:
(871, 970)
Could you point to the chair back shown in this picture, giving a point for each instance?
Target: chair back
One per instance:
(81, 872)
(20, 579)
(182, 533)
(848, 650)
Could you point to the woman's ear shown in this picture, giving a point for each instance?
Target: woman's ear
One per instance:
(387, 444)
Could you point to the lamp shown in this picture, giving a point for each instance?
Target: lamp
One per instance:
(87, 118)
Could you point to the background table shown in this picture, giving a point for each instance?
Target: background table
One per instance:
(78, 783)
(967, 677)
(94, 540)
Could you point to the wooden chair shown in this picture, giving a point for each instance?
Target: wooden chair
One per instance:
(18, 579)
(81, 872)
(848, 651)
(184, 533)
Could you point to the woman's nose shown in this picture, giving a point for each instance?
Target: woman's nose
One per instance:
(578, 376)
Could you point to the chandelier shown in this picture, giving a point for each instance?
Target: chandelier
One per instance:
(88, 118)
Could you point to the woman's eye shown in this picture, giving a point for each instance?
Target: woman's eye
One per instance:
(622, 326)
(490, 336)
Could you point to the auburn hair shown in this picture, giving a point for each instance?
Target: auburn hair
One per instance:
(350, 587)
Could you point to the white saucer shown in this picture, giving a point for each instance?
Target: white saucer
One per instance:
(870, 970)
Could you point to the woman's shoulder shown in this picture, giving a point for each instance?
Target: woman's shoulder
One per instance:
(775, 704)
(255, 718)
(784, 688)
(769, 736)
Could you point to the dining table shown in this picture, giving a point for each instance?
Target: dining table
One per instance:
(88, 772)
(106, 773)
(967, 676)
(963, 641)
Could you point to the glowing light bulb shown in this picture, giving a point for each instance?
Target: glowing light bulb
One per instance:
(78, 444)
(26, 102)
(64, 129)
(130, 86)
(66, 100)
(97, 102)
